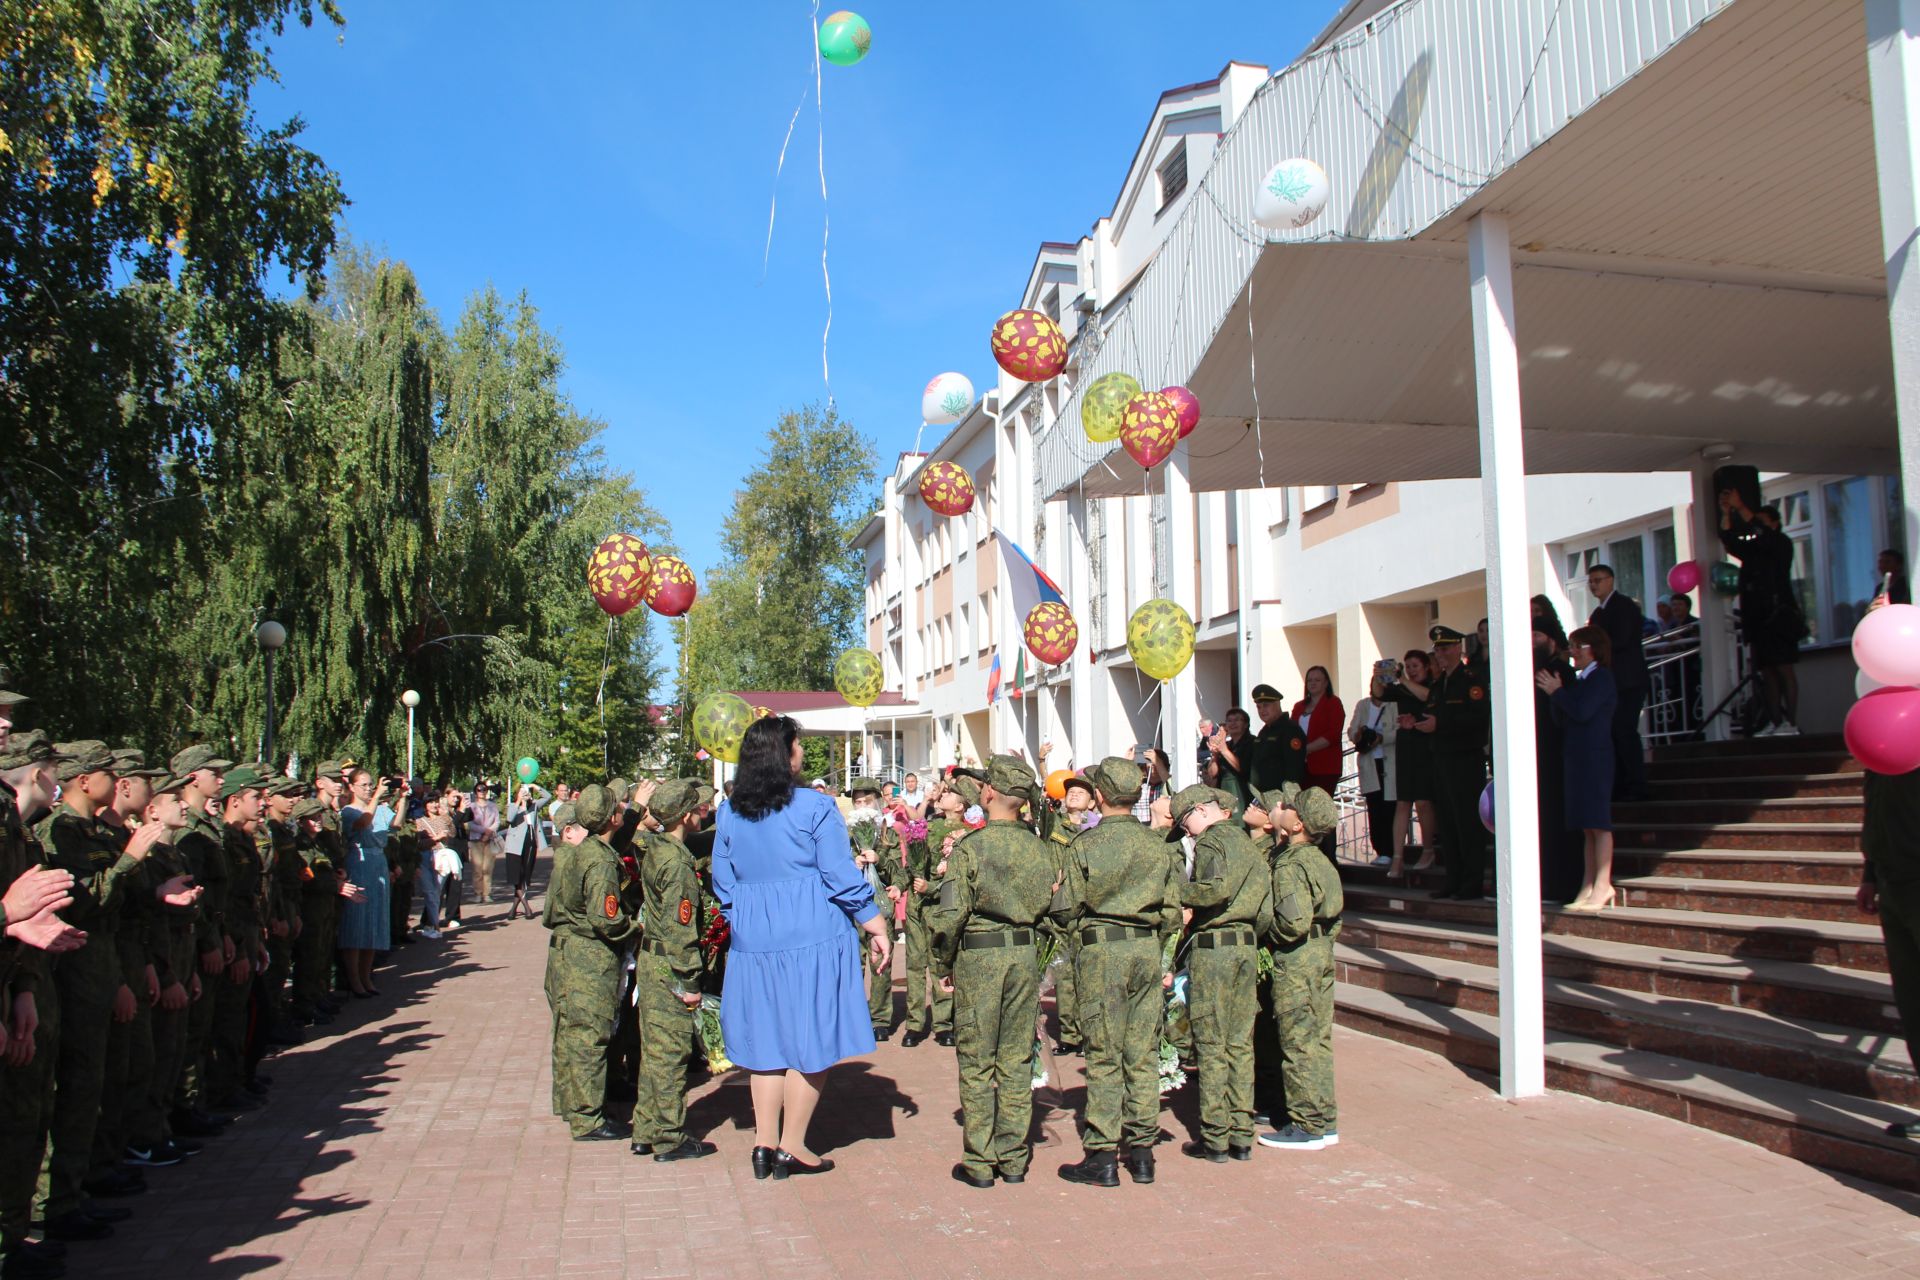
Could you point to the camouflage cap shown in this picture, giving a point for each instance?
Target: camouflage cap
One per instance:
(1318, 813)
(197, 757)
(1117, 780)
(9, 699)
(621, 790)
(864, 787)
(673, 800)
(326, 769)
(563, 815)
(287, 787)
(72, 759)
(593, 806)
(24, 749)
(1280, 797)
(128, 759)
(170, 782)
(703, 791)
(243, 778)
(1185, 801)
(1012, 776)
(312, 807)
(967, 785)
(1227, 799)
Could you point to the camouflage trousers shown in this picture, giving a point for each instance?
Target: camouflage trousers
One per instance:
(227, 1042)
(583, 985)
(191, 1092)
(879, 985)
(313, 949)
(86, 985)
(920, 976)
(1121, 1006)
(26, 1116)
(1066, 1009)
(995, 1006)
(129, 1067)
(666, 1044)
(279, 967)
(1303, 1010)
(1222, 996)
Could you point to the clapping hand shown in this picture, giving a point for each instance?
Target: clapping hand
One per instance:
(35, 890)
(180, 891)
(48, 932)
(1547, 682)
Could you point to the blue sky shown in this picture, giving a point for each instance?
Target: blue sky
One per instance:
(615, 160)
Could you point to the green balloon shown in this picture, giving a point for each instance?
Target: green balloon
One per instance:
(527, 769)
(858, 675)
(720, 721)
(1160, 637)
(1105, 403)
(845, 38)
(1725, 578)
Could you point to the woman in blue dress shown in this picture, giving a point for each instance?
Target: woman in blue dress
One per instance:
(794, 1001)
(365, 926)
(1583, 707)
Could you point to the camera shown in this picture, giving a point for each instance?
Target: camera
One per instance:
(1387, 669)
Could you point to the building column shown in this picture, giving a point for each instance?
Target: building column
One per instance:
(1716, 616)
(1893, 72)
(1503, 485)
(1180, 699)
(1079, 743)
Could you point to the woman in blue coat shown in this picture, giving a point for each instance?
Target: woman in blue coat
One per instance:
(1583, 707)
(794, 1001)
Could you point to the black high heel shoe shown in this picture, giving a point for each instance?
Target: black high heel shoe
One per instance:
(785, 1166)
(762, 1162)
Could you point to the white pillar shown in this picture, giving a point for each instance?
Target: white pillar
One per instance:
(1893, 72)
(1715, 613)
(846, 760)
(1503, 485)
(1180, 703)
(1078, 745)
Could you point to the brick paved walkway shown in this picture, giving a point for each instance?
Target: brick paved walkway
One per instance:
(416, 1141)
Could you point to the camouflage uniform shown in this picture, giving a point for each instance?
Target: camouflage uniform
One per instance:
(173, 932)
(922, 859)
(203, 843)
(286, 875)
(1123, 899)
(139, 941)
(591, 931)
(227, 1047)
(26, 1093)
(1065, 1008)
(1231, 896)
(325, 856)
(1000, 884)
(889, 871)
(669, 964)
(1307, 902)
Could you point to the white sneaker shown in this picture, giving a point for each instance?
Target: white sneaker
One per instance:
(1786, 729)
(451, 925)
(432, 935)
(1768, 732)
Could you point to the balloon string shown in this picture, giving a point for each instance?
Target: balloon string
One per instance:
(600, 695)
(773, 205)
(1253, 370)
(826, 224)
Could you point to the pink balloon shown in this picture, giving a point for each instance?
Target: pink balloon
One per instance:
(1886, 644)
(1883, 730)
(1187, 405)
(1683, 577)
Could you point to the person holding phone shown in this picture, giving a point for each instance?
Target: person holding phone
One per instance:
(366, 822)
(1770, 616)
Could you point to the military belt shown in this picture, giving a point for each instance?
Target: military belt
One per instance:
(1098, 933)
(1234, 936)
(1004, 936)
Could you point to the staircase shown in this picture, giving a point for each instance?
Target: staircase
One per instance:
(1738, 988)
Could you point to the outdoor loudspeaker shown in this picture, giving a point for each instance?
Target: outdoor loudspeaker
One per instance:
(1744, 481)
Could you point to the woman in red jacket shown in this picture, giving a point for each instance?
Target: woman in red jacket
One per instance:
(1322, 720)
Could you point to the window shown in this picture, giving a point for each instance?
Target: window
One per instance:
(1665, 555)
(1173, 175)
(1315, 496)
(1628, 558)
(966, 631)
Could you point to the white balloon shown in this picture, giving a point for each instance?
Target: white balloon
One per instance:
(946, 400)
(1864, 684)
(1293, 194)
(1886, 644)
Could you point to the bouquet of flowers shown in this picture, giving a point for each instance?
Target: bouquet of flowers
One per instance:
(713, 937)
(912, 830)
(1171, 1076)
(707, 1026)
(1178, 1025)
(1039, 1066)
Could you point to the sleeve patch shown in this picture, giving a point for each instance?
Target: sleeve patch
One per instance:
(1296, 744)
(1477, 693)
(612, 906)
(686, 911)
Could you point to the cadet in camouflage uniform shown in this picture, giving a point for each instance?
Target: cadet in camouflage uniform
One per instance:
(891, 873)
(1307, 902)
(924, 881)
(149, 1141)
(201, 843)
(1123, 899)
(1001, 882)
(139, 939)
(1066, 1012)
(319, 892)
(1231, 897)
(279, 840)
(26, 993)
(591, 931)
(227, 1046)
(668, 977)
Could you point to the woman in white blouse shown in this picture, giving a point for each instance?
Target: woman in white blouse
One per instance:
(1375, 722)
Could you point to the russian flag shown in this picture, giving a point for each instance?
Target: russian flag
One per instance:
(993, 680)
(1027, 583)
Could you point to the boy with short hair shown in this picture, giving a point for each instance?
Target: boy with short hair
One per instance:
(1307, 904)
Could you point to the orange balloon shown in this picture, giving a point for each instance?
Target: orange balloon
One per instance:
(1057, 784)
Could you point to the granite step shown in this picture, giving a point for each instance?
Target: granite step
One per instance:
(1832, 837)
(1768, 866)
(1702, 808)
(1738, 747)
(1868, 1064)
(1741, 897)
(1746, 786)
(1758, 765)
(1822, 1127)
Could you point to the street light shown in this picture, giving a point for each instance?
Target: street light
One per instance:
(412, 700)
(269, 635)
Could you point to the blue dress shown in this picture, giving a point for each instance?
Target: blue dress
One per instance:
(367, 925)
(1584, 708)
(795, 995)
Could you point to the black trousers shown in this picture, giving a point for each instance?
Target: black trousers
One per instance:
(1629, 756)
(1459, 778)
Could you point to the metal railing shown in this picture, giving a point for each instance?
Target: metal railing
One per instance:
(1674, 712)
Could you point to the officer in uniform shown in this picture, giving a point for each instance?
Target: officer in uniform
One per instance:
(667, 978)
(1066, 1010)
(1459, 714)
(1279, 749)
(1307, 903)
(202, 845)
(591, 932)
(926, 875)
(1231, 898)
(882, 861)
(1123, 902)
(1001, 881)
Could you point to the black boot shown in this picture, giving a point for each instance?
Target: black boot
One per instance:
(1140, 1165)
(1096, 1169)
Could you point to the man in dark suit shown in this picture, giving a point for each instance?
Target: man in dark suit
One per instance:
(1619, 616)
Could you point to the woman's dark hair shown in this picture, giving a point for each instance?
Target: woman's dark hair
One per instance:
(1596, 639)
(1546, 620)
(1325, 675)
(764, 784)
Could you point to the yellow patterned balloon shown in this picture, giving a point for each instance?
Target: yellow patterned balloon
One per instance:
(762, 713)
(858, 675)
(1104, 404)
(1160, 638)
(1029, 345)
(720, 721)
(619, 573)
(1050, 632)
(1150, 428)
(947, 488)
(671, 592)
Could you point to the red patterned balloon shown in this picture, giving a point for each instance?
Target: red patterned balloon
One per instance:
(1186, 406)
(673, 588)
(1029, 345)
(1150, 428)
(947, 488)
(1050, 632)
(619, 573)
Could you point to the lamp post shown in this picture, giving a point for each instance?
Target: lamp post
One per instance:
(412, 700)
(269, 635)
